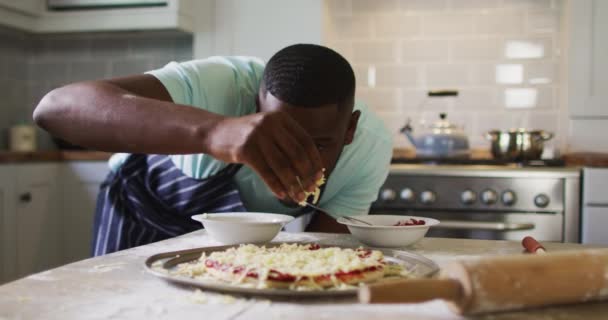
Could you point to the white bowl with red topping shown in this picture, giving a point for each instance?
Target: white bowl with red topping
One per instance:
(242, 227)
(389, 231)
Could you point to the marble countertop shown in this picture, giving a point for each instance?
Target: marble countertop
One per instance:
(116, 286)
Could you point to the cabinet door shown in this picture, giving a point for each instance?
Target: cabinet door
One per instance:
(38, 218)
(594, 225)
(594, 219)
(588, 85)
(7, 221)
(81, 185)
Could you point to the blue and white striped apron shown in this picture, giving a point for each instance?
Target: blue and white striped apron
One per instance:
(149, 199)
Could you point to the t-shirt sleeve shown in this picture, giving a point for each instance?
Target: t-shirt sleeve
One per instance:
(357, 196)
(221, 85)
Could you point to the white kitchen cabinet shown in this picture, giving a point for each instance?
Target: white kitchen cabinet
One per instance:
(7, 216)
(81, 181)
(21, 14)
(594, 220)
(46, 214)
(30, 219)
(33, 16)
(38, 218)
(26, 7)
(587, 72)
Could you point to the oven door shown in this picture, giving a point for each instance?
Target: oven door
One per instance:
(491, 225)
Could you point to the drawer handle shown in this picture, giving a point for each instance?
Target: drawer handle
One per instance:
(25, 197)
(493, 226)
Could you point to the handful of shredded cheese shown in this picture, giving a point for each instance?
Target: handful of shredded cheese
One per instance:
(316, 193)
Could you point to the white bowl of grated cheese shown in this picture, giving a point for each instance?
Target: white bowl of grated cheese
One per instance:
(389, 231)
(242, 227)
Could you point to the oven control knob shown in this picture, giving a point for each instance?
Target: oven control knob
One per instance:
(407, 195)
(468, 197)
(542, 200)
(489, 197)
(388, 195)
(508, 198)
(428, 197)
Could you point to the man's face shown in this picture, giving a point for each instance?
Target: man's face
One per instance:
(330, 126)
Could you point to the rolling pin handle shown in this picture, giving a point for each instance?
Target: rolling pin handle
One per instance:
(532, 245)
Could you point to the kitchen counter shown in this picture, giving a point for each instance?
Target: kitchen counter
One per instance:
(52, 156)
(117, 286)
(587, 159)
(410, 153)
(575, 159)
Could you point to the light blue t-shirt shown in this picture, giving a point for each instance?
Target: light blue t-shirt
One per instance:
(228, 86)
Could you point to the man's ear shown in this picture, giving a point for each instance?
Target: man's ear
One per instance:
(352, 127)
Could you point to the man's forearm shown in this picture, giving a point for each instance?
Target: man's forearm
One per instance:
(104, 116)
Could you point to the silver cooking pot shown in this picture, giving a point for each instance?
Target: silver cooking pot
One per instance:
(518, 144)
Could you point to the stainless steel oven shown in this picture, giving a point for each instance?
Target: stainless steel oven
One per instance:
(500, 202)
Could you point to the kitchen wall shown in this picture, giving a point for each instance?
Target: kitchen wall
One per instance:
(45, 62)
(12, 80)
(502, 55)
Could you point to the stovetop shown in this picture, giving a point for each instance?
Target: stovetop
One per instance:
(484, 162)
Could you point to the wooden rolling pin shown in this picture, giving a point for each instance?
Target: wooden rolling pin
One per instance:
(505, 283)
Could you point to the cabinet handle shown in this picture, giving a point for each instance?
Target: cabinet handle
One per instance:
(25, 197)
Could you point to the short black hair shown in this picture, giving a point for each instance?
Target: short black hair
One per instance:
(309, 75)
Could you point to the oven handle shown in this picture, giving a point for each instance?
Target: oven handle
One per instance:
(477, 225)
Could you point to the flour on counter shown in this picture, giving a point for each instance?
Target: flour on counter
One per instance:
(203, 297)
(43, 276)
(101, 268)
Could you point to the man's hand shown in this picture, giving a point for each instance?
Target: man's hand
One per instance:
(274, 145)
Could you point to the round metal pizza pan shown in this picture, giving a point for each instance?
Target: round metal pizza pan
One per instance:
(162, 264)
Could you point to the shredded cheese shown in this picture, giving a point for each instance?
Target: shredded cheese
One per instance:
(296, 259)
(291, 266)
(316, 193)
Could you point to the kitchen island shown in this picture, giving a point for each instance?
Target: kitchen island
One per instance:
(117, 286)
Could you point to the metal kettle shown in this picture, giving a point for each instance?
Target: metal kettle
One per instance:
(441, 139)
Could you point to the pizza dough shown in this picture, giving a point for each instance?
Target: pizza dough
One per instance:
(293, 266)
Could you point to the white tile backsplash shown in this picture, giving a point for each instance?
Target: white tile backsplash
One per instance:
(375, 51)
(480, 99)
(474, 4)
(416, 51)
(397, 76)
(381, 6)
(542, 22)
(502, 56)
(475, 49)
(509, 73)
(447, 75)
(541, 73)
(383, 100)
(396, 26)
(422, 6)
(448, 24)
(340, 28)
(339, 7)
(538, 97)
(531, 48)
(500, 24)
(32, 65)
(531, 4)
(416, 100)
